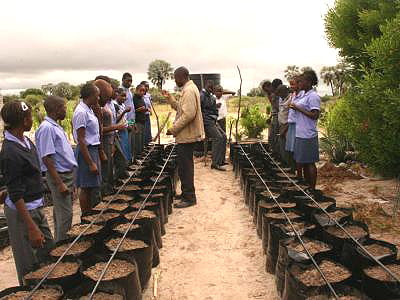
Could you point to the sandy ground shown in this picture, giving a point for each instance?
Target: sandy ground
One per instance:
(211, 250)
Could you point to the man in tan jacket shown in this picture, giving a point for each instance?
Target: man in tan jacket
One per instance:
(188, 129)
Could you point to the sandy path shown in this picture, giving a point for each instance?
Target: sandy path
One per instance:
(211, 250)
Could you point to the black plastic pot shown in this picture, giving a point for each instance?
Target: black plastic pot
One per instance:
(82, 255)
(356, 259)
(144, 233)
(380, 288)
(66, 282)
(266, 220)
(337, 241)
(288, 255)
(142, 256)
(323, 220)
(297, 290)
(13, 290)
(279, 230)
(128, 285)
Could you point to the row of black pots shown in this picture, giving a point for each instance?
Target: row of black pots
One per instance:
(311, 223)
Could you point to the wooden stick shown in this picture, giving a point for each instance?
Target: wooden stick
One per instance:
(156, 276)
(240, 103)
(158, 123)
(161, 129)
(230, 130)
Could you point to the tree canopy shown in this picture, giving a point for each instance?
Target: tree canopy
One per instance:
(159, 71)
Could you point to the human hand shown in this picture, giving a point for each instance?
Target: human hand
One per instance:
(63, 189)
(128, 109)
(103, 156)
(165, 93)
(293, 106)
(93, 168)
(36, 237)
(120, 126)
(169, 132)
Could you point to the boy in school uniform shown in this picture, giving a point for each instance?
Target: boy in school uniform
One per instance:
(140, 118)
(58, 161)
(29, 232)
(123, 156)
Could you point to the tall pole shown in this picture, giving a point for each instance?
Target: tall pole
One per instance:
(240, 104)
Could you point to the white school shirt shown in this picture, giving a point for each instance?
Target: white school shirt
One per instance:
(223, 110)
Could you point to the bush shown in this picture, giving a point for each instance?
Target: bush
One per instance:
(336, 141)
(253, 121)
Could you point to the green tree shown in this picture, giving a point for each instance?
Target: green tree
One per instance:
(291, 71)
(62, 89)
(31, 91)
(256, 92)
(351, 25)
(158, 72)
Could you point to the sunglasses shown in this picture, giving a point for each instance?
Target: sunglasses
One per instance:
(24, 106)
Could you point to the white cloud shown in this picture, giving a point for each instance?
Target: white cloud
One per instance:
(51, 41)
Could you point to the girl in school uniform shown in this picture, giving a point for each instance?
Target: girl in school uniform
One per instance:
(291, 133)
(306, 148)
(86, 133)
(30, 236)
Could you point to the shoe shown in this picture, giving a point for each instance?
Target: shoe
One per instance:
(218, 168)
(184, 204)
(224, 163)
(178, 197)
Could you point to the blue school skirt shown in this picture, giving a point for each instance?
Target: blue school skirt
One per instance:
(290, 137)
(84, 178)
(306, 151)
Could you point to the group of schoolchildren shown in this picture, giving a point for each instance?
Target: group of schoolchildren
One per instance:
(293, 133)
(111, 126)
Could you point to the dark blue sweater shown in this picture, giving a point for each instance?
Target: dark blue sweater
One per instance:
(21, 170)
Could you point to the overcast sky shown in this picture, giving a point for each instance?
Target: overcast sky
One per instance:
(51, 41)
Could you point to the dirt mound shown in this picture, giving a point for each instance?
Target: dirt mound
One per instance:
(330, 170)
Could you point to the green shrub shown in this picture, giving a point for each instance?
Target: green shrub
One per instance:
(253, 121)
(336, 141)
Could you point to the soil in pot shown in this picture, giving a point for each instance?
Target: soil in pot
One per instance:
(66, 274)
(78, 228)
(139, 251)
(304, 280)
(147, 216)
(20, 293)
(120, 274)
(79, 248)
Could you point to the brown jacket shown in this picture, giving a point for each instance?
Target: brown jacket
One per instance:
(188, 126)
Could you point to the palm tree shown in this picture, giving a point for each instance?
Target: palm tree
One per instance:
(328, 76)
(158, 72)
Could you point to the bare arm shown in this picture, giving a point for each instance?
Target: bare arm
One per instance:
(313, 114)
(36, 237)
(49, 163)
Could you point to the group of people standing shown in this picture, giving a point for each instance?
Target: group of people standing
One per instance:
(110, 125)
(293, 133)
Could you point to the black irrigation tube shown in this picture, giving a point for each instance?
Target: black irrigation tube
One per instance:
(291, 225)
(130, 225)
(333, 219)
(86, 228)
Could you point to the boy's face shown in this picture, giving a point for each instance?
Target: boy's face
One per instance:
(293, 85)
(218, 93)
(28, 122)
(127, 82)
(62, 111)
(121, 97)
(95, 98)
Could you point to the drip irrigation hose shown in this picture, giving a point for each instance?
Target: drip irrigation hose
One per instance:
(291, 225)
(86, 228)
(330, 217)
(129, 227)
